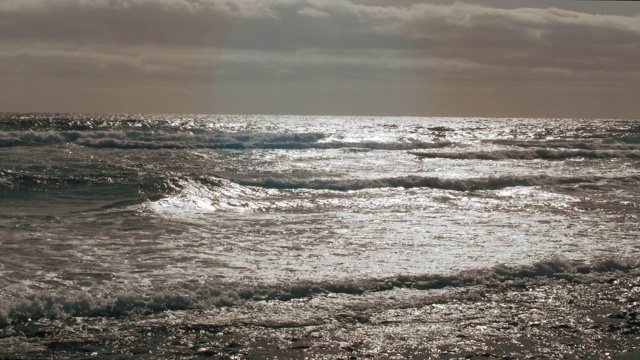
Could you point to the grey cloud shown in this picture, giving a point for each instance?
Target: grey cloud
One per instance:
(312, 12)
(537, 38)
(532, 37)
(193, 65)
(296, 46)
(412, 18)
(202, 64)
(244, 8)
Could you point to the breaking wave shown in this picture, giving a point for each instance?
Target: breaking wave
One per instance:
(156, 139)
(205, 195)
(163, 195)
(616, 143)
(187, 140)
(470, 184)
(172, 190)
(542, 154)
(200, 295)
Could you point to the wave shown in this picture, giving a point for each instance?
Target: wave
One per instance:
(93, 122)
(154, 139)
(32, 138)
(203, 195)
(187, 140)
(161, 190)
(165, 195)
(628, 139)
(617, 143)
(542, 154)
(470, 184)
(187, 296)
(170, 192)
(16, 182)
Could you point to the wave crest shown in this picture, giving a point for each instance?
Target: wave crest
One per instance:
(614, 143)
(470, 184)
(542, 154)
(203, 195)
(206, 295)
(187, 140)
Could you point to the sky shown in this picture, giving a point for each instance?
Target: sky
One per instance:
(503, 58)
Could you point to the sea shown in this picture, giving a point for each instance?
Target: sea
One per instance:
(120, 218)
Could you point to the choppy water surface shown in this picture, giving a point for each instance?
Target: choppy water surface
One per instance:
(107, 214)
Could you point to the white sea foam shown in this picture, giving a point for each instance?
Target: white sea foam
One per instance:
(296, 215)
(133, 139)
(190, 296)
(196, 197)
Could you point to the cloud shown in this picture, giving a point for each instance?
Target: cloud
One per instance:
(311, 42)
(546, 37)
(303, 40)
(312, 12)
(244, 8)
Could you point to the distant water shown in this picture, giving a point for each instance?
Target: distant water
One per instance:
(112, 215)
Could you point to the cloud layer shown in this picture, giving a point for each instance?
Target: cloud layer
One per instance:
(427, 49)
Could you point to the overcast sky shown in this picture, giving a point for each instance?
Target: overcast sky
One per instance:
(531, 58)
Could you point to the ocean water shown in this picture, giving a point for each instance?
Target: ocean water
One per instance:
(113, 216)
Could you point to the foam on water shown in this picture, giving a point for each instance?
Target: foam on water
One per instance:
(196, 295)
(208, 196)
(118, 215)
(187, 140)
